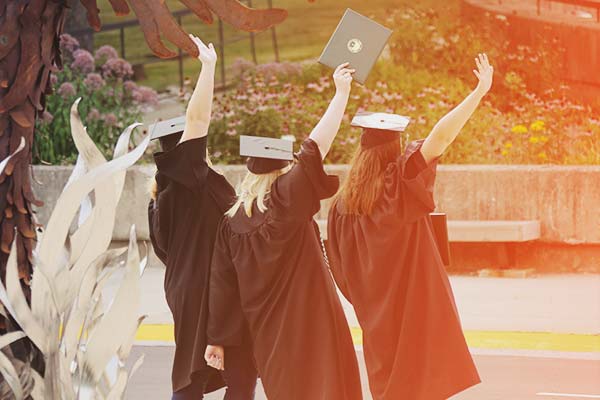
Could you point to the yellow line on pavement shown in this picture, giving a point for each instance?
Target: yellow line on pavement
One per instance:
(476, 339)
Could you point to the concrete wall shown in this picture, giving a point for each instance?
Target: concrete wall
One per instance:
(564, 199)
(579, 38)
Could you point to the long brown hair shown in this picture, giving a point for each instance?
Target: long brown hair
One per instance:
(365, 182)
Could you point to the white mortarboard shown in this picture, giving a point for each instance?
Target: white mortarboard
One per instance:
(168, 127)
(357, 40)
(383, 121)
(266, 154)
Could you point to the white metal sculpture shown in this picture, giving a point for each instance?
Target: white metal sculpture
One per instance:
(85, 340)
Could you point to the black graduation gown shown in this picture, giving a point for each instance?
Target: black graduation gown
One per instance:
(388, 266)
(272, 264)
(191, 201)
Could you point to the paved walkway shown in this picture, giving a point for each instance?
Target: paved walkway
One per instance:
(558, 304)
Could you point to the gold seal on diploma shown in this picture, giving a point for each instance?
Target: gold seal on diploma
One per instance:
(355, 46)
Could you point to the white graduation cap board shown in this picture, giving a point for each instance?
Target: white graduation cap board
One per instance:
(168, 127)
(377, 120)
(357, 40)
(264, 147)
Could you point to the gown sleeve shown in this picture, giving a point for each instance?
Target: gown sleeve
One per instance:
(226, 321)
(409, 183)
(185, 164)
(154, 225)
(297, 194)
(333, 254)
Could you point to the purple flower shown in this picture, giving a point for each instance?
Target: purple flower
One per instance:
(83, 61)
(117, 68)
(110, 120)
(148, 96)
(53, 79)
(105, 53)
(66, 90)
(93, 115)
(130, 86)
(46, 118)
(68, 43)
(94, 81)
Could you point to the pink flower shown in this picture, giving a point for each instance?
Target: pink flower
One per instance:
(147, 96)
(83, 61)
(94, 81)
(46, 118)
(105, 52)
(93, 115)
(110, 120)
(130, 86)
(117, 68)
(66, 90)
(68, 43)
(53, 79)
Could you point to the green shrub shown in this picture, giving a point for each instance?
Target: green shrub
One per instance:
(110, 102)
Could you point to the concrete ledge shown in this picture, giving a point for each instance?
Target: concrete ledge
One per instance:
(493, 231)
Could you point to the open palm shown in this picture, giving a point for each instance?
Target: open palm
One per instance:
(484, 72)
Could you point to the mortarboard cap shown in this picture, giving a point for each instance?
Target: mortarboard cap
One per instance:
(379, 128)
(266, 154)
(357, 40)
(168, 132)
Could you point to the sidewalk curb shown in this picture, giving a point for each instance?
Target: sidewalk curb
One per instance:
(161, 334)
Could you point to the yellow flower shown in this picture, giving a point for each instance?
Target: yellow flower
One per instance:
(519, 129)
(504, 152)
(534, 139)
(542, 155)
(543, 139)
(537, 126)
(508, 144)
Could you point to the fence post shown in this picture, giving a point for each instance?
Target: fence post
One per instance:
(122, 39)
(274, 36)
(180, 59)
(222, 51)
(252, 41)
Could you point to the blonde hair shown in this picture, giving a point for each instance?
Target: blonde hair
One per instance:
(154, 184)
(255, 187)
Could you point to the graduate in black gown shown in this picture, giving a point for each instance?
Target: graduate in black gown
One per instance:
(268, 258)
(188, 202)
(385, 260)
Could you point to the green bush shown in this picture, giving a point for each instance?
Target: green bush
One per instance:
(110, 102)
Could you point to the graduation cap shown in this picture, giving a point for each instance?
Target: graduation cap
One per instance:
(168, 132)
(266, 154)
(358, 40)
(379, 128)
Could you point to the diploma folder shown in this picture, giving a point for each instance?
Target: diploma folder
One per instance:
(439, 222)
(357, 40)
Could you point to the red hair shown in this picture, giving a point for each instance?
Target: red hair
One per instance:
(365, 182)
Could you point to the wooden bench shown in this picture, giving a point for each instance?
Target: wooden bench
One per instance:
(506, 232)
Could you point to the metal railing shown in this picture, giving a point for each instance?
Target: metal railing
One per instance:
(220, 44)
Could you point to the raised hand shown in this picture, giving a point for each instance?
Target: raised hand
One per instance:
(485, 74)
(206, 54)
(342, 78)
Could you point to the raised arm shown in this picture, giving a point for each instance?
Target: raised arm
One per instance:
(197, 116)
(329, 125)
(446, 130)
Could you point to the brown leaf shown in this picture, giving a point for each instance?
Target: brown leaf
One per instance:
(23, 115)
(199, 8)
(245, 18)
(49, 39)
(120, 7)
(150, 29)
(8, 234)
(92, 14)
(8, 212)
(9, 28)
(170, 28)
(24, 226)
